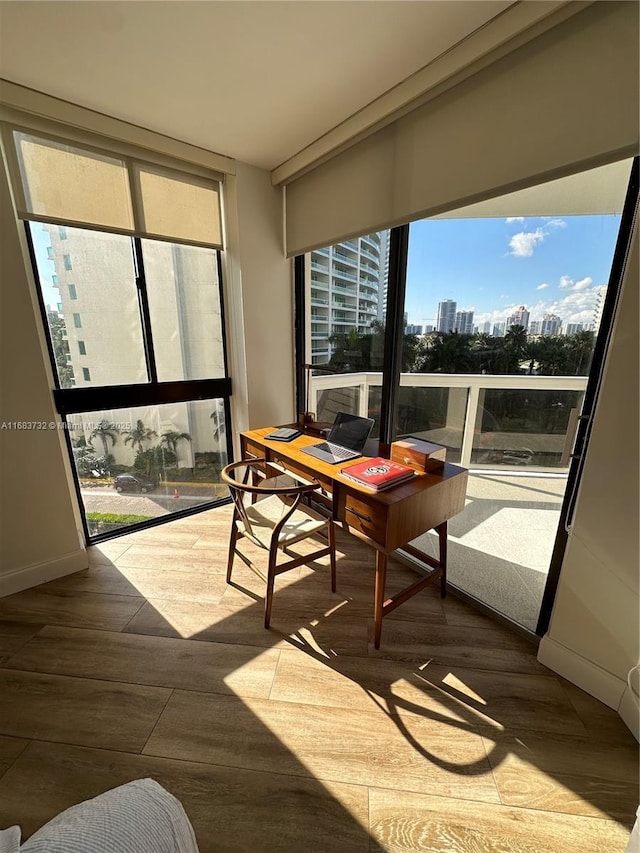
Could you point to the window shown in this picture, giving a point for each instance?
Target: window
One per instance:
(151, 316)
(54, 280)
(50, 254)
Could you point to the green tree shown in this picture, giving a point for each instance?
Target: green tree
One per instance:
(138, 435)
(171, 438)
(447, 352)
(84, 455)
(551, 354)
(106, 432)
(580, 351)
(60, 344)
(515, 348)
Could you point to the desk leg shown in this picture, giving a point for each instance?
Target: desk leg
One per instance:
(442, 540)
(381, 576)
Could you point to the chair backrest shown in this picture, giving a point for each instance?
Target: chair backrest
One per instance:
(251, 478)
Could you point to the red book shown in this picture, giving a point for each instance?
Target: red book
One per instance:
(378, 474)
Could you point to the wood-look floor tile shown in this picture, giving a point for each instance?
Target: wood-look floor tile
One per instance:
(601, 722)
(13, 635)
(340, 681)
(573, 775)
(137, 659)
(405, 823)
(146, 556)
(43, 605)
(351, 746)
(80, 711)
(10, 749)
(231, 810)
(105, 578)
(449, 645)
(245, 626)
(164, 535)
(173, 584)
(505, 700)
(106, 552)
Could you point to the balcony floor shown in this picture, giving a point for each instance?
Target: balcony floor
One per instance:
(500, 546)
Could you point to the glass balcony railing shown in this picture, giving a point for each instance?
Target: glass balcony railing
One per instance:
(506, 422)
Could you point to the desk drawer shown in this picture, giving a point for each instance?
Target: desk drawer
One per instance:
(368, 517)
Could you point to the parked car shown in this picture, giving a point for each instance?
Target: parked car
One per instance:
(134, 483)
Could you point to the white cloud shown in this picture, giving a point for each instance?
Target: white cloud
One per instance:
(568, 283)
(523, 243)
(542, 286)
(511, 219)
(576, 305)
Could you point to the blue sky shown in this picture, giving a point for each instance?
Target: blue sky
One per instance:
(550, 265)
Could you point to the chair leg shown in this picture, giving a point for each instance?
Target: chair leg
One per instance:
(232, 549)
(331, 535)
(271, 576)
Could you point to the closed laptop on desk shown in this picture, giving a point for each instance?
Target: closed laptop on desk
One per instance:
(346, 440)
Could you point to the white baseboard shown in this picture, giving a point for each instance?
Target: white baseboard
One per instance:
(590, 677)
(28, 576)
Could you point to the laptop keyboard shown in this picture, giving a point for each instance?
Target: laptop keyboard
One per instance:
(336, 450)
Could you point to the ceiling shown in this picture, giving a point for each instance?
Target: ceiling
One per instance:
(251, 79)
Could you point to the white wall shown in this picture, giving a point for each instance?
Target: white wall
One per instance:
(39, 538)
(593, 637)
(259, 301)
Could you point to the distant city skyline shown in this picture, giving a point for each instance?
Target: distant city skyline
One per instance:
(550, 265)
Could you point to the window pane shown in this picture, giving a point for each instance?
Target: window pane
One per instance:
(97, 303)
(180, 208)
(184, 302)
(63, 182)
(525, 428)
(138, 464)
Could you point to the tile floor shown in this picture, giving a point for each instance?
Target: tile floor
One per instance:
(450, 738)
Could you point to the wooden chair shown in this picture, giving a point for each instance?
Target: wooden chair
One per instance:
(270, 513)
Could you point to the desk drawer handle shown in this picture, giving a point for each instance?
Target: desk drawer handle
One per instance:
(359, 515)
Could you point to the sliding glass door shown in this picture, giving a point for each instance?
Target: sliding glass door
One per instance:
(498, 309)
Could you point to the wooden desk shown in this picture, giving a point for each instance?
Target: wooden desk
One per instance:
(385, 520)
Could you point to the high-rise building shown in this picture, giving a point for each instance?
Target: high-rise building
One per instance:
(485, 328)
(446, 315)
(348, 283)
(534, 327)
(520, 317)
(412, 329)
(597, 314)
(573, 328)
(499, 330)
(550, 324)
(464, 322)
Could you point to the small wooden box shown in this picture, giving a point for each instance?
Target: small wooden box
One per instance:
(419, 454)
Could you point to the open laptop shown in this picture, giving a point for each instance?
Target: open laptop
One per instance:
(346, 440)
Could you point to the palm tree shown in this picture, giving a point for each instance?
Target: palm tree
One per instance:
(139, 434)
(171, 438)
(106, 432)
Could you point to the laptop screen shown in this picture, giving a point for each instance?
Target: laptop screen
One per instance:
(350, 431)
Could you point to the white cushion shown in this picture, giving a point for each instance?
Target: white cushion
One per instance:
(140, 817)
